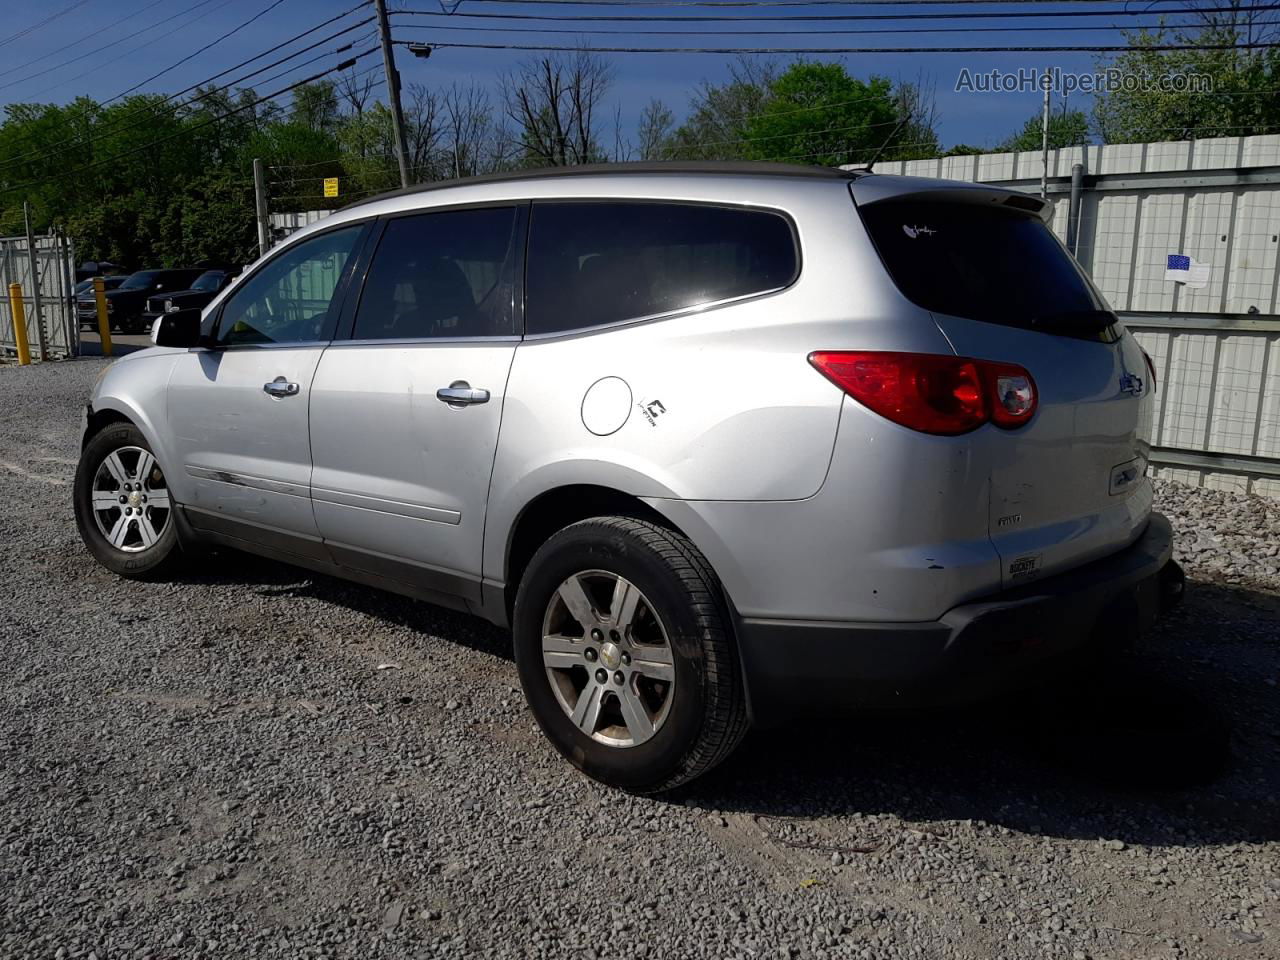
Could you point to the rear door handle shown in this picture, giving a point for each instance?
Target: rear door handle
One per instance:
(462, 394)
(280, 387)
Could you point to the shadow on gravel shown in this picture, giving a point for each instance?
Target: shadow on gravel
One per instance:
(270, 579)
(1176, 745)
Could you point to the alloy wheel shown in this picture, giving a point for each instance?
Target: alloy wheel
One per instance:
(608, 658)
(130, 499)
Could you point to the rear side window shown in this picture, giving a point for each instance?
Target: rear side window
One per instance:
(981, 263)
(447, 274)
(593, 263)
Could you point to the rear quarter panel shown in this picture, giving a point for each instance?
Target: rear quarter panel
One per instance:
(720, 404)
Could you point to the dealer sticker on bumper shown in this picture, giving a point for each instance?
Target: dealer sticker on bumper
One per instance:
(1024, 567)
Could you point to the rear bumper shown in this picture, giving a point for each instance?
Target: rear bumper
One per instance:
(972, 651)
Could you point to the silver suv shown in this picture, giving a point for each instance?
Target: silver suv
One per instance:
(717, 442)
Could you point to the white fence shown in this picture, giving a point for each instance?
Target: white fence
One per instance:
(283, 224)
(1216, 348)
(51, 325)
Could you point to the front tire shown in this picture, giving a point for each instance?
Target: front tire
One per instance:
(123, 508)
(624, 651)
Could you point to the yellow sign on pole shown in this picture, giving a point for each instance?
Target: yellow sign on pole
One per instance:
(330, 186)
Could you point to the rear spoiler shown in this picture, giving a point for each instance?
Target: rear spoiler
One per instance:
(876, 188)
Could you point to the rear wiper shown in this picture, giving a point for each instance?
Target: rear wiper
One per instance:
(1075, 321)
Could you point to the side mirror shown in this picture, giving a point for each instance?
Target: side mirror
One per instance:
(178, 329)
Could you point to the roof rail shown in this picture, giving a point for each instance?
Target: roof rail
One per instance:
(650, 167)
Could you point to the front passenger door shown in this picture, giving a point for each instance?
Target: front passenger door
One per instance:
(238, 408)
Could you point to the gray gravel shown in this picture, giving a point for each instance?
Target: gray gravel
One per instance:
(219, 767)
(1225, 536)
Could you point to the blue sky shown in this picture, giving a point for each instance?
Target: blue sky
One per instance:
(976, 118)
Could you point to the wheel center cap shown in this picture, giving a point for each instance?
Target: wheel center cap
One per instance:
(135, 498)
(611, 655)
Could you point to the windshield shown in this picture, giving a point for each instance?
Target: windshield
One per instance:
(140, 281)
(209, 281)
(996, 265)
(108, 283)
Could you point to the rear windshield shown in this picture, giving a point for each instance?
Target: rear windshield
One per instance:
(209, 281)
(140, 281)
(996, 265)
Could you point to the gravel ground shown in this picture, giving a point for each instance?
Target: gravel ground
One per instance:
(257, 762)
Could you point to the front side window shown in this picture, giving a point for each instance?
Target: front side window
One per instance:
(599, 262)
(446, 274)
(291, 299)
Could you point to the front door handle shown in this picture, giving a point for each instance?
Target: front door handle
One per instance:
(461, 394)
(280, 387)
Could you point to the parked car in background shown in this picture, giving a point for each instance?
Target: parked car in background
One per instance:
(126, 303)
(718, 442)
(86, 305)
(99, 268)
(206, 286)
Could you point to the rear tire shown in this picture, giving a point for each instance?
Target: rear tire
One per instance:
(118, 472)
(647, 693)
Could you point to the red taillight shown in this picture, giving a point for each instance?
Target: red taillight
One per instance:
(931, 393)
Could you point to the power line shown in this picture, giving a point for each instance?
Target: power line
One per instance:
(46, 21)
(1155, 48)
(783, 3)
(106, 46)
(307, 63)
(191, 56)
(91, 34)
(785, 33)
(187, 131)
(152, 110)
(1021, 14)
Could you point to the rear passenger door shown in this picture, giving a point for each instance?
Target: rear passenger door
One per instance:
(405, 413)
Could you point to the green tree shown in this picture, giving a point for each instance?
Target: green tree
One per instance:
(1192, 94)
(1067, 128)
(315, 106)
(812, 112)
(715, 127)
(817, 113)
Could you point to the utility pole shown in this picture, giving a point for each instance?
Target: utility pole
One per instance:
(393, 90)
(1044, 139)
(260, 204)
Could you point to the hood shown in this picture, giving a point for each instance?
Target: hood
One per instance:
(207, 295)
(119, 294)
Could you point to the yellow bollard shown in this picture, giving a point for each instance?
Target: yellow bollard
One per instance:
(104, 322)
(19, 313)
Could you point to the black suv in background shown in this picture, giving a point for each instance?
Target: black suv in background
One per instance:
(86, 306)
(125, 304)
(206, 286)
